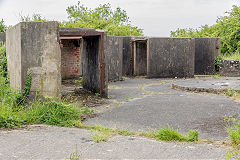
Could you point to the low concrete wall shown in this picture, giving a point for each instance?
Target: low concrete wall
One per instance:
(206, 50)
(114, 56)
(170, 57)
(230, 68)
(2, 38)
(34, 46)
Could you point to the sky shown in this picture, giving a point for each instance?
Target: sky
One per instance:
(155, 17)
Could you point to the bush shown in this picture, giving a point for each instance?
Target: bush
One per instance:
(3, 61)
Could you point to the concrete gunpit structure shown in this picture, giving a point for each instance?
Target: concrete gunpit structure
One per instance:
(53, 54)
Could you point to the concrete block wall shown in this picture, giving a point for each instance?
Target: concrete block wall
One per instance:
(230, 68)
(114, 57)
(33, 46)
(2, 38)
(170, 57)
(70, 59)
(206, 50)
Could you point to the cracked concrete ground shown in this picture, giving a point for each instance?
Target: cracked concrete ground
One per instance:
(47, 142)
(139, 105)
(143, 104)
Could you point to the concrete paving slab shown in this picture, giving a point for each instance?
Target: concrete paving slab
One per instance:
(157, 105)
(48, 142)
(210, 83)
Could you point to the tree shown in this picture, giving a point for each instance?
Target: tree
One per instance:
(3, 27)
(226, 27)
(34, 18)
(115, 22)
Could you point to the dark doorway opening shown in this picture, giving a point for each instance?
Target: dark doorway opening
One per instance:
(140, 52)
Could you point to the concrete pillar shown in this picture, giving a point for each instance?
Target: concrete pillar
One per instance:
(33, 46)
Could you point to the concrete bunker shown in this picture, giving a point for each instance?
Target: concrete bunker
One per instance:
(139, 54)
(90, 63)
(35, 47)
(53, 53)
(171, 57)
(206, 50)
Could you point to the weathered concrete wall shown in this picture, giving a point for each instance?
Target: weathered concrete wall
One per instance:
(2, 38)
(39, 51)
(170, 57)
(140, 58)
(13, 47)
(127, 57)
(206, 49)
(230, 68)
(91, 64)
(114, 57)
(70, 59)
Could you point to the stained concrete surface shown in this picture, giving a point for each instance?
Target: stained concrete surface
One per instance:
(211, 83)
(206, 50)
(47, 142)
(143, 104)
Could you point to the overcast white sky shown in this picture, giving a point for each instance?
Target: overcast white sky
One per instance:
(156, 17)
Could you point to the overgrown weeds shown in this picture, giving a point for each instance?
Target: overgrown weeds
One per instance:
(233, 130)
(231, 57)
(165, 134)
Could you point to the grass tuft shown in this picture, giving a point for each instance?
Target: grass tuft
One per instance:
(169, 134)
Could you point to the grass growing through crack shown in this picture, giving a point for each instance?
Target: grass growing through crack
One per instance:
(169, 134)
(164, 134)
(233, 130)
(216, 76)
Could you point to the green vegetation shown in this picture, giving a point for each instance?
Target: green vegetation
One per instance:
(233, 129)
(164, 134)
(34, 18)
(227, 28)
(216, 76)
(3, 27)
(16, 110)
(235, 56)
(79, 81)
(169, 134)
(115, 22)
